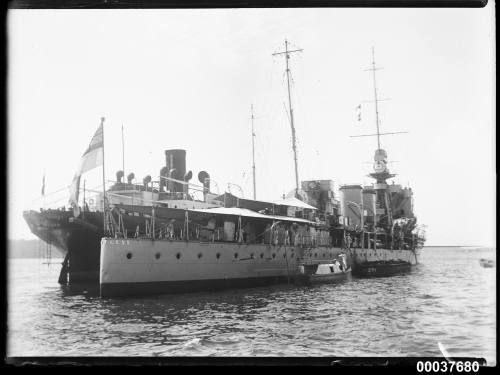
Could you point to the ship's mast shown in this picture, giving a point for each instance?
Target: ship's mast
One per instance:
(287, 53)
(103, 180)
(380, 155)
(373, 69)
(123, 154)
(381, 172)
(253, 155)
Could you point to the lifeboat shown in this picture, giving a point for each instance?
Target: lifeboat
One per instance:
(487, 263)
(334, 271)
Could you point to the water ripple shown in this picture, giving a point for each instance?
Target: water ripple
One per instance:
(448, 298)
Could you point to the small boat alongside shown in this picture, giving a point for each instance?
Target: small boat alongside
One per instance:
(487, 263)
(382, 268)
(333, 272)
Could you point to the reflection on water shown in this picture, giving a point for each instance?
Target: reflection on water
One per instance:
(447, 298)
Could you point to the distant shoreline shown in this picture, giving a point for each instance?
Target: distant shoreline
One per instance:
(471, 246)
(31, 249)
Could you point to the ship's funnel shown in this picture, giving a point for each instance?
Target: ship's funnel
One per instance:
(176, 165)
(119, 176)
(163, 182)
(130, 177)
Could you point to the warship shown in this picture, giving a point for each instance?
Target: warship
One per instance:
(250, 244)
(384, 232)
(156, 237)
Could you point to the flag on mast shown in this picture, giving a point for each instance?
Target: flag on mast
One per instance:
(43, 185)
(358, 112)
(92, 158)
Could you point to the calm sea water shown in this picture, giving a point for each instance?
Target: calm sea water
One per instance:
(448, 298)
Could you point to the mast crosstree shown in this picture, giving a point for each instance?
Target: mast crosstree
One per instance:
(376, 101)
(287, 53)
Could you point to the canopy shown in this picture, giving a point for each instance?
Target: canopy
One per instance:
(293, 202)
(167, 213)
(236, 211)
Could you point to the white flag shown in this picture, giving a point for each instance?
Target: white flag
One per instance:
(358, 112)
(91, 159)
(43, 185)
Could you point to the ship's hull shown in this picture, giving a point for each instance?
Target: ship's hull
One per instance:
(77, 239)
(141, 267)
(80, 240)
(383, 262)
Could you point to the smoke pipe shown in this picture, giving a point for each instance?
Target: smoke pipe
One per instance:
(130, 177)
(119, 176)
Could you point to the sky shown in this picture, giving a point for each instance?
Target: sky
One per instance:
(187, 78)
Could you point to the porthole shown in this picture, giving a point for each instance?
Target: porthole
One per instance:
(217, 255)
(178, 255)
(129, 255)
(157, 255)
(262, 255)
(200, 255)
(235, 255)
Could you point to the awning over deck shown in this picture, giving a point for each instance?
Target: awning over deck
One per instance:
(294, 202)
(234, 201)
(244, 212)
(179, 214)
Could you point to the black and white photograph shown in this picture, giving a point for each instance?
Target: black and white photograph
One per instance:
(252, 183)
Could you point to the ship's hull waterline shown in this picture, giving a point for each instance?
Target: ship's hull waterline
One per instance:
(138, 267)
(326, 279)
(80, 241)
(383, 262)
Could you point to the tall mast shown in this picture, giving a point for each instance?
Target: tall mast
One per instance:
(253, 155)
(123, 154)
(103, 180)
(294, 142)
(377, 118)
(375, 96)
(381, 172)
